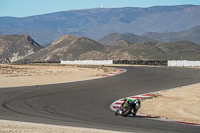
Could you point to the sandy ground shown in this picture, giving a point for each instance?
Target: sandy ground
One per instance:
(37, 74)
(22, 127)
(181, 104)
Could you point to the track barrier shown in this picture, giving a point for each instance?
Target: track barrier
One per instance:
(170, 63)
(88, 62)
(183, 63)
(141, 62)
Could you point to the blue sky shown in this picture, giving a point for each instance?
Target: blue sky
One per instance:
(22, 8)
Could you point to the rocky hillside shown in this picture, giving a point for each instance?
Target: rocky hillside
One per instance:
(192, 34)
(67, 48)
(77, 48)
(96, 23)
(183, 50)
(16, 47)
(114, 38)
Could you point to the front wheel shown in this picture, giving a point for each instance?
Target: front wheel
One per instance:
(116, 113)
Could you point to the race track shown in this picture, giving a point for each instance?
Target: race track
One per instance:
(86, 103)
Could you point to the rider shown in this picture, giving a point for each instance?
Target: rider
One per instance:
(136, 104)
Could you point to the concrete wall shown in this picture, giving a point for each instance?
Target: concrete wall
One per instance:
(142, 62)
(183, 63)
(171, 63)
(88, 62)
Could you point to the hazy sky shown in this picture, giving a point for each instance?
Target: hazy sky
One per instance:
(22, 8)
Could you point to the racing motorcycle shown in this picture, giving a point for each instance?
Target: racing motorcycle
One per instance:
(125, 109)
(127, 106)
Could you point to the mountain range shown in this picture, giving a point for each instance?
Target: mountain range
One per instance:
(96, 23)
(82, 48)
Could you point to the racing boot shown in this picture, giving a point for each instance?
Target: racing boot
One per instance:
(133, 113)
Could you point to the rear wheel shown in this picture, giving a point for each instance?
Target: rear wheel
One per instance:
(126, 111)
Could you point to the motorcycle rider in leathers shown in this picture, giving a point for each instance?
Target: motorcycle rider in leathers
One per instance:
(136, 104)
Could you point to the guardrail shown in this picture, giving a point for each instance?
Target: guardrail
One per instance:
(88, 62)
(141, 62)
(170, 63)
(35, 62)
(130, 62)
(183, 63)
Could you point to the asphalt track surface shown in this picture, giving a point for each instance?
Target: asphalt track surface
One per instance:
(86, 103)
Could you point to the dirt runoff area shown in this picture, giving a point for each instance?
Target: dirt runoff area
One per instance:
(181, 104)
(38, 74)
(23, 127)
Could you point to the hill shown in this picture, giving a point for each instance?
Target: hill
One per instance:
(96, 23)
(81, 48)
(192, 34)
(115, 37)
(16, 47)
(183, 50)
(67, 48)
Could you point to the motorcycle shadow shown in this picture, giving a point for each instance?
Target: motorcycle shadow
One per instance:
(137, 116)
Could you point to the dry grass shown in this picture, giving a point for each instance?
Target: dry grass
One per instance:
(153, 96)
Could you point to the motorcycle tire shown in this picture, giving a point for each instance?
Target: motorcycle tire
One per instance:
(116, 113)
(126, 111)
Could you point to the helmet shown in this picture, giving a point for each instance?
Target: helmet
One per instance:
(127, 101)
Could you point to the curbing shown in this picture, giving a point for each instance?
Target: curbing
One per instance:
(115, 105)
(120, 71)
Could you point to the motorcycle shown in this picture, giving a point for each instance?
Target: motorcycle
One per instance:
(125, 109)
(127, 106)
